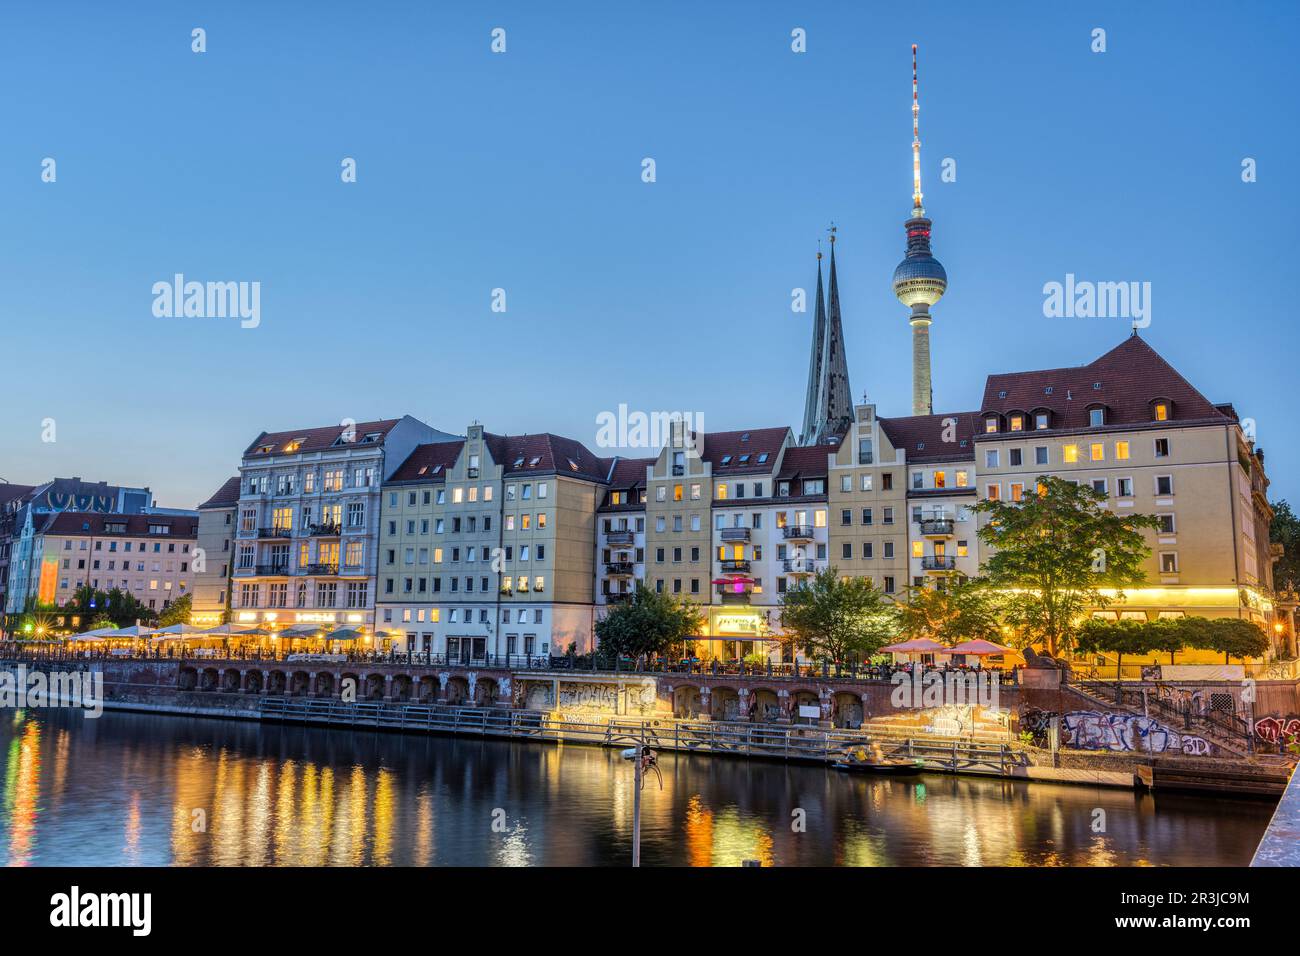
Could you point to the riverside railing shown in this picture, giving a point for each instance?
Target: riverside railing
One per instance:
(773, 741)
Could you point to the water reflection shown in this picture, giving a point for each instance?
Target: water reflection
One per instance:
(139, 789)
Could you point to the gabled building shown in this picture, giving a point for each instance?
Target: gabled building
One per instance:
(307, 529)
(214, 556)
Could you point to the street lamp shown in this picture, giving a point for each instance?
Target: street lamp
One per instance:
(643, 759)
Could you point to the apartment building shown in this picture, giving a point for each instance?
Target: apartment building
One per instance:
(148, 556)
(487, 546)
(621, 531)
(12, 499)
(1130, 426)
(214, 558)
(307, 528)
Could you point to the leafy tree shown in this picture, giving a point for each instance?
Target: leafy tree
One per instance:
(649, 623)
(838, 618)
(1285, 530)
(963, 610)
(178, 612)
(120, 607)
(1052, 554)
(1229, 636)
(1129, 637)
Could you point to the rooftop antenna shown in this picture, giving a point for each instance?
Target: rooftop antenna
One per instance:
(916, 141)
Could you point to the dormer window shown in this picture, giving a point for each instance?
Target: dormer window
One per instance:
(1042, 420)
(1160, 411)
(265, 449)
(293, 446)
(532, 462)
(370, 439)
(745, 437)
(762, 459)
(1017, 423)
(990, 424)
(519, 462)
(726, 460)
(744, 459)
(1096, 417)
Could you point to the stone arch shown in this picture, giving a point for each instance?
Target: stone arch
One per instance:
(210, 679)
(253, 682)
(486, 691)
(324, 684)
(686, 701)
(275, 682)
(804, 697)
(300, 684)
(457, 690)
(766, 706)
(725, 704)
(350, 682)
(230, 680)
(402, 687)
(187, 679)
(846, 710)
(428, 689)
(374, 687)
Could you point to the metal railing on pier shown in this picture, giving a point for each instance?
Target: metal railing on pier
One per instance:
(771, 741)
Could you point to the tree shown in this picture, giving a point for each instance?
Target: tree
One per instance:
(1129, 637)
(650, 623)
(838, 618)
(962, 610)
(1052, 554)
(120, 607)
(1285, 530)
(1229, 636)
(178, 612)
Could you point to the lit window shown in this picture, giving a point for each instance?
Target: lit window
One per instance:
(1017, 423)
(1161, 412)
(721, 492)
(677, 492)
(1098, 451)
(1121, 451)
(918, 549)
(1070, 453)
(1017, 491)
(993, 492)
(961, 479)
(1040, 420)
(991, 424)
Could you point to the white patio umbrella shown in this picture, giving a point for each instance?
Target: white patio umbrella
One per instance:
(177, 631)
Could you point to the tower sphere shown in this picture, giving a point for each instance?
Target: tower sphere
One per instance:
(920, 280)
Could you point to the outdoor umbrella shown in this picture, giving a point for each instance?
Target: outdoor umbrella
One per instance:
(977, 648)
(301, 630)
(343, 634)
(233, 630)
(175, 631)
(921, 645)
(135, 630)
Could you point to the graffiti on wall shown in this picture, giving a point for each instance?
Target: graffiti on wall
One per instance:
(1274, 729)
(1117, 732)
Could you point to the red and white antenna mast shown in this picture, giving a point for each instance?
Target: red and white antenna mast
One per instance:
(916, 141)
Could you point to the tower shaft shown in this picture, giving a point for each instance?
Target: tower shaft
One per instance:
(922, 390)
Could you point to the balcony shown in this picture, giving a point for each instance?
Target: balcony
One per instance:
(325, 530)
(617, 539)
(622, 597)
(733, 597)
(275, 532)
(271, 570)
(938, 563)
(621, 569)
(319, 569)
(735, 534)
(800, 566)
(936, 527)
(795, 532)
(735, 566)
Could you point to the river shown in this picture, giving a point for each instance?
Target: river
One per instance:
(140, 789)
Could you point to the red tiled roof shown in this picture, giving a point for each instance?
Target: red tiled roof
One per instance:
(224, 497)
(317, 439)
(752, 442)
(1125, 380)
(628, 472)
(137, 526)
(922, 437)
(806, 461)
(429, 462)
(543, 453)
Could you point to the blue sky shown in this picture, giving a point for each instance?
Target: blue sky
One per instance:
(522, 171)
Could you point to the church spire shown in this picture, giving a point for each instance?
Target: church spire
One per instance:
(829, 406)
(813, 394)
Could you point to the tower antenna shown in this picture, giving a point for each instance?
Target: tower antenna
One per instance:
(916, 141)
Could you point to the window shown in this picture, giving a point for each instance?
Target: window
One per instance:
(963, 478)
(1040, 455)
(864, 451)
(846, 516)
(1040, 420)
(990, 424)
(1015, 458)
(846, 483)
(887, 481)
(1017, 491)
(1096, 417)
(1124, 487)
(1166, 524)
(1097, 451)
(720, 492)
(1070, 454)
(1162, 447)
(889, 549)
(1168, 562)
(962, 549)
(1164, 484)
(918, 479)
(1099, 484)
(993, 492)
(918, 549)
(991, 458)
(866, 482)
(1160, 411)
(1017, 423)
(1121, 451)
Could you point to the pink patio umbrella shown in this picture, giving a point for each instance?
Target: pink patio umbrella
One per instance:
(978, 648)
(920, 645)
